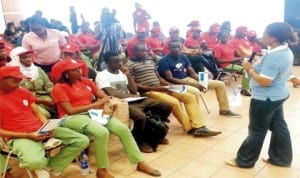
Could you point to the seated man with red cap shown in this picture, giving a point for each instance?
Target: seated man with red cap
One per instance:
(155, 41)
(20, 123)
(193, 24)
(210, 37)
(140, 37)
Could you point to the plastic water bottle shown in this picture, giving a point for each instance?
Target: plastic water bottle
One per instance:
(84, 164)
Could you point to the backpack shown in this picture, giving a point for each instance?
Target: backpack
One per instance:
(155, 130)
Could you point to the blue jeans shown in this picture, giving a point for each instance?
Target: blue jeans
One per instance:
(264, 116)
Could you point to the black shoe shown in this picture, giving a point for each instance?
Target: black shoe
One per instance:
(203, 132)
(245, 93)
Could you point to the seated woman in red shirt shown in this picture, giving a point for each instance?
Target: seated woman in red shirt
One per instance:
(74, 96)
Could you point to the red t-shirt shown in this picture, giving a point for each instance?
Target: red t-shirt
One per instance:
(192, 42)
(78, 94)
(15, 112)
(236, 43)
(155, 44)
(255, 47)
(224, 51)
(131, 44)
(211, 40)
(188, 33)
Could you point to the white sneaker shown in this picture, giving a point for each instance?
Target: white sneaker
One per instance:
(52, 143)
(42, 173)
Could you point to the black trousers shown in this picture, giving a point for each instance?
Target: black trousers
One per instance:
(137, 111)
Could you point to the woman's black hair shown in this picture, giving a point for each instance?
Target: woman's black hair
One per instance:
(283, 32)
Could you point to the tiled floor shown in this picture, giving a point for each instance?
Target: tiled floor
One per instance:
(188, 157)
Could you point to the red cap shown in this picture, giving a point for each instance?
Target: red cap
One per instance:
(242, 29)
(141, 30)
(215, 27)
(251, 33)
(71, 48)
(173, 29)
(11, 71)
(196, 29)
(61, 66)
(194, 23)
(156, 30)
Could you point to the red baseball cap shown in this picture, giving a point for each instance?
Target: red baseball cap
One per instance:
(215, 27)
(196, 29)
(141, 30)
(242, 29)
(194, 23)
(11, 71)
(71, 48)
(173, 29)
(61, 66)
(251, 33)
(156, 30)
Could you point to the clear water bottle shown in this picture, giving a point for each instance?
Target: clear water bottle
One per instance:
(84, 164)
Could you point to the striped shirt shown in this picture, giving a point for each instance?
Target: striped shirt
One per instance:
(144, 72)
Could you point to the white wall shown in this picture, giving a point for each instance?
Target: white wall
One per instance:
(255, 14)
(2, 22)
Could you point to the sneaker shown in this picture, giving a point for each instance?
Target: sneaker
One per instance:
(245, 93)
(229, 113)
(42, 173)
(52, 143)
(145, 148)
(203, 132)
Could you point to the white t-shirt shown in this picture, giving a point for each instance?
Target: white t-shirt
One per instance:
(118, 81)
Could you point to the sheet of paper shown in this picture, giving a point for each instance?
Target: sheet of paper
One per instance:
(177, 88)
(131, 99)
(97, 115)
(51, 124)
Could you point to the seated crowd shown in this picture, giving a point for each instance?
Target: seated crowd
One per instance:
(45, 73)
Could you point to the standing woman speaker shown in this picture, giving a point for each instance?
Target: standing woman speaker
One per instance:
(269, 85)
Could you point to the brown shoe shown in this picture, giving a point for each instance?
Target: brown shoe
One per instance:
(165, 141)
(145, 148)
(203, 132)
(245, 93)
(145, 168)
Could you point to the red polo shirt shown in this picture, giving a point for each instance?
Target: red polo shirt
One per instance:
(78, 94)
(224, 51)
(193, 43)
(131, 44)
(155, 44)
(236, 42)
(211, 40)
(15, 112)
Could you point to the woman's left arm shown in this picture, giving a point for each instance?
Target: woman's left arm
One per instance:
(263, 81)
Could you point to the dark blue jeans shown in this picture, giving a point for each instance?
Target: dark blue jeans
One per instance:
(264, 116)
